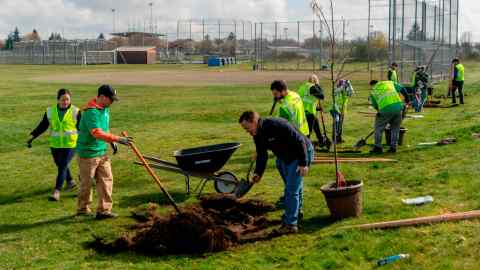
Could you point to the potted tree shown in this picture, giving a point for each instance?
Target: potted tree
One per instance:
(344, 198)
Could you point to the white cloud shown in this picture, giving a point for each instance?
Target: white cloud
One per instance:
(88, 18)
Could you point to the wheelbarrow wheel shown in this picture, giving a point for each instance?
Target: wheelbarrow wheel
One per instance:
(224, 186)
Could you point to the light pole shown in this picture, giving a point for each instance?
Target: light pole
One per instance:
(151, 16)
(113, 18)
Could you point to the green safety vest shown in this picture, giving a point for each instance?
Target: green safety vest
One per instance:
(461, 73)
(385, 94)
(414, 79)
(309, 101)
(341, 101)
(393, 77)
(63, 133)
(291, 109)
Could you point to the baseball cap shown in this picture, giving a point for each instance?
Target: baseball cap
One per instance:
(108, 91)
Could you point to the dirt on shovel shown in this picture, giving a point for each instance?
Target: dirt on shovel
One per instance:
(216, 223)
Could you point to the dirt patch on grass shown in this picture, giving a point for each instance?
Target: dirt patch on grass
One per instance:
(217, 223)
(178, 77)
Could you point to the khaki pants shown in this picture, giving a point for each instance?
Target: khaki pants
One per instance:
(100, 169)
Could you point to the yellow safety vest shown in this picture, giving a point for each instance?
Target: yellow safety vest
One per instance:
(309, 101)
(385, 94)
(63, 134)
(291, 109)
(461, 73)
(393, 76)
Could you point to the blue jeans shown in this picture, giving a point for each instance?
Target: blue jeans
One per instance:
(293, 191)
(62, 157)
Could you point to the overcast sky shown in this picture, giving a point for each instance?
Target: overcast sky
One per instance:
(88, 18)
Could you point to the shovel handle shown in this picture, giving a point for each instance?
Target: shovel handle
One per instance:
(152, 173)
(370, 134)
(273, 107)
(250, 169)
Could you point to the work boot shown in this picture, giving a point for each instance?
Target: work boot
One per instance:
(376, 150)
(106, 215)
(70, 185)
(392, 150)
(286, 229)
(55, 195)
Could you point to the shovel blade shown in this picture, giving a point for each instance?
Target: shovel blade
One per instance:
(243, 187)
(360, 143)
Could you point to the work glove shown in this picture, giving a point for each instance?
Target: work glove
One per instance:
(114, 147)
(125, 140)
(29, 143)
(256, 178)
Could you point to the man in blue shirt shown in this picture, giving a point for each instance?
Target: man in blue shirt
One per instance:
(294, 154)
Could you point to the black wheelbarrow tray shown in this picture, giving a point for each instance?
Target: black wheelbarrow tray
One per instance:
(203, 162)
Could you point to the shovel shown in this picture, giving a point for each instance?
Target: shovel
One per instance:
(152, 173)
(244, 185)
(326, 142)
(363, 141)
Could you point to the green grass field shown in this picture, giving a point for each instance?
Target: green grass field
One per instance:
(38, 234)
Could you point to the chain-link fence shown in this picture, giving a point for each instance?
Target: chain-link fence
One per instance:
(196, 39)
(409, 32)
(423, 32)
(56, 52)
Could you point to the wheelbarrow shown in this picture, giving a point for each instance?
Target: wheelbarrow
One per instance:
(202, 162)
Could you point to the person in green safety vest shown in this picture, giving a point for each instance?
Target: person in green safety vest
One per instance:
(311, 93)
(457, 80)
(93, 161)
(343, 91)
(392, 73)
(290, 106)
(387, 101)
(63, 119)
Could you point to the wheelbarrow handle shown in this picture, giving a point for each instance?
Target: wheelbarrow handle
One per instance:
(152, 173)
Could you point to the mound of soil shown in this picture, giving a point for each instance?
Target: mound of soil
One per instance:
(216, 223)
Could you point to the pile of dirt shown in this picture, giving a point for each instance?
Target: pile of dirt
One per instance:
(217, 223)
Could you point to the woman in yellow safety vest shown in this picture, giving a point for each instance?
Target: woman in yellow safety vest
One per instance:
(63, 119)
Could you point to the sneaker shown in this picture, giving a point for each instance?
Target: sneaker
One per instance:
(392, 150)
(70, 186)
(106, 215)
(287, 229)
(55, 195)
(376, 150)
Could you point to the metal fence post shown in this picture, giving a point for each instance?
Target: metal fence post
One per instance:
(313, 40)
(275, 42)
(298, 43)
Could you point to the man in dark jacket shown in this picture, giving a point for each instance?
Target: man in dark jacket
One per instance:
(294, 154)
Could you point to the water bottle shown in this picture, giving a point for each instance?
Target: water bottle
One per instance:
(391, 259)
(418, 200)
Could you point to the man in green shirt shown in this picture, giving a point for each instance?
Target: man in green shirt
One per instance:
(93, 162)
(386, 100)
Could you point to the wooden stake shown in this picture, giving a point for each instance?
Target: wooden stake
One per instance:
(351, 160)
(419, 221)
